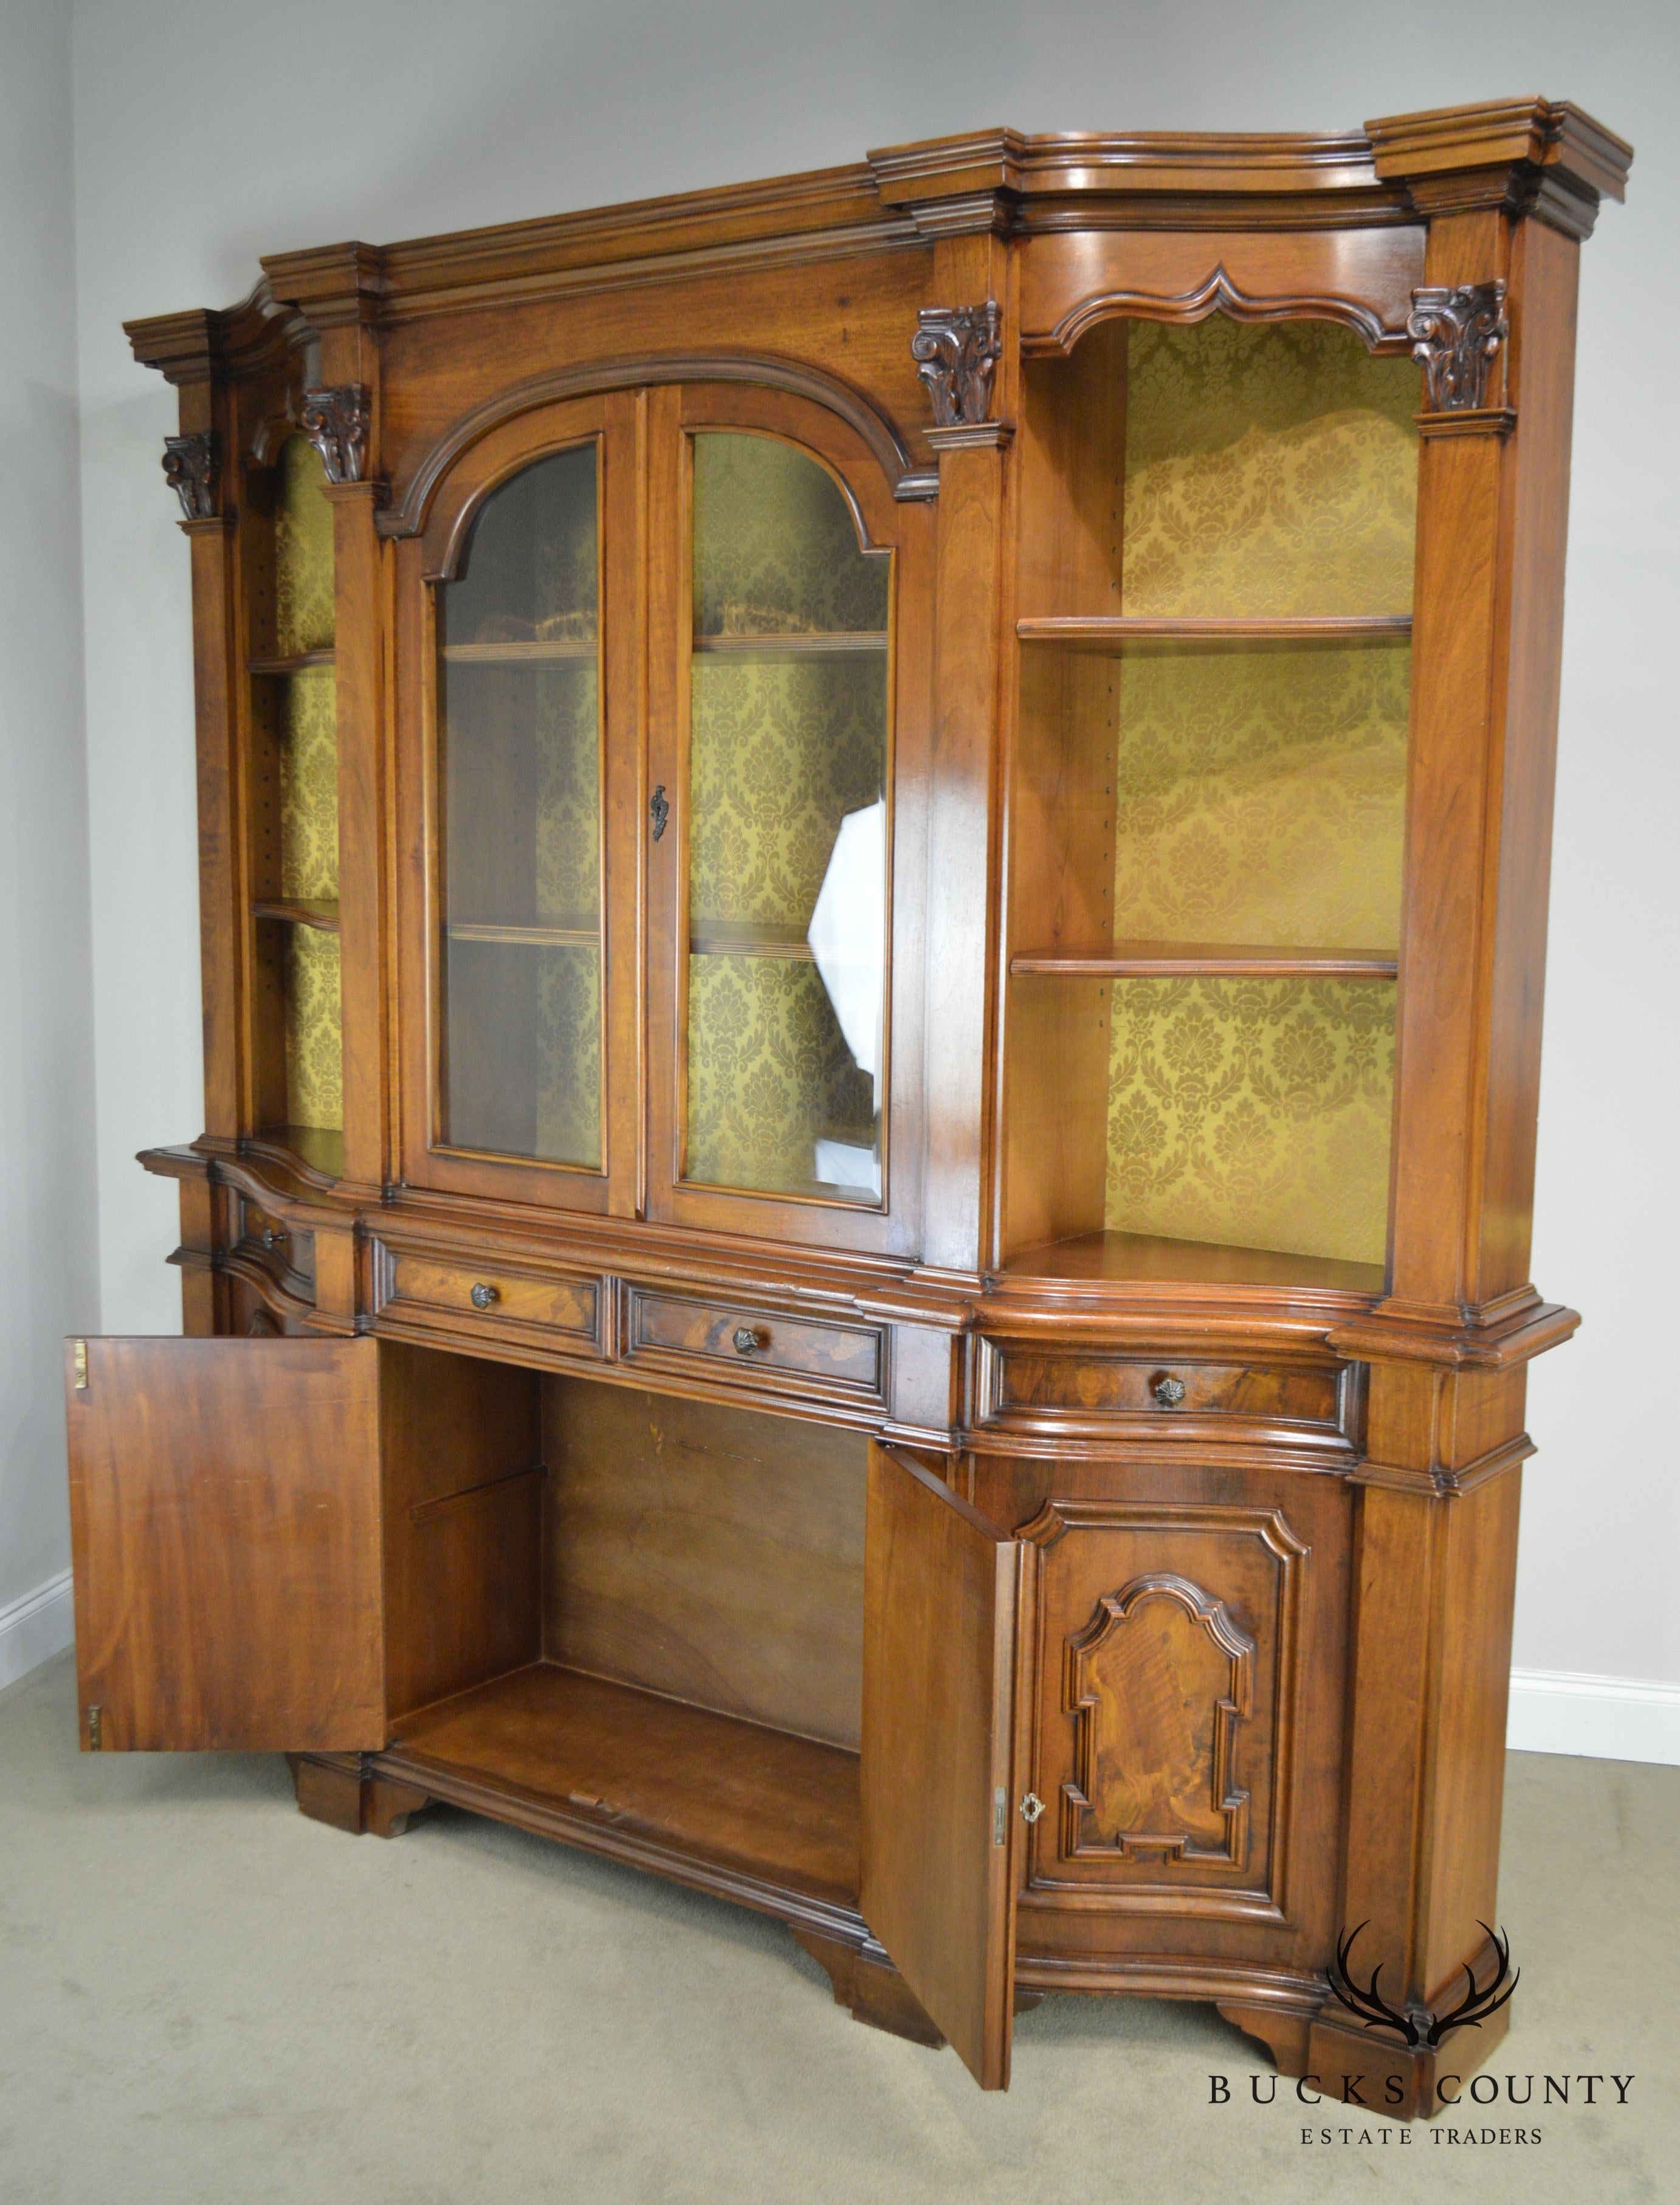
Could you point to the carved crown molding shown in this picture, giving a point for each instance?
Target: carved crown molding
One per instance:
(1457, 331)
(956, 350)
(189, 469)
(1219, 295)
(1523, 156)
(336, 420)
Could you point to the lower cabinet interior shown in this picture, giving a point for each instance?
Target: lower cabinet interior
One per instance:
(619, 1612)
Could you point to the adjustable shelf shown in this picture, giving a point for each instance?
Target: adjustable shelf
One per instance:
(746, 938)
(837, 643)
(297, 661)
(574, 935)
(1115, 632)
(583, 651)
(319, 912)
(1164, 960)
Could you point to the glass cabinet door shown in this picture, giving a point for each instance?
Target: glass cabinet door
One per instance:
(520, 734)
(784, 1019)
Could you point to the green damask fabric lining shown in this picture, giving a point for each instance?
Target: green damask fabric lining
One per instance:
(523, 827)
(1253, 1112)
(303, 617)
(1271, 469)
(780, 751)
(1261, 796)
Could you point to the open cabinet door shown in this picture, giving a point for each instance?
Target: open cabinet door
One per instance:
(939, 1597)
(225, 1516)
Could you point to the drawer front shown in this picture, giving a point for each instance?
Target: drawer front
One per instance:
(1027, 1387)
(492, 1295)
(722, 1336)
(287, 1254)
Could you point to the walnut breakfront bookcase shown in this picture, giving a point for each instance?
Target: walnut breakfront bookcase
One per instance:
(874, 861)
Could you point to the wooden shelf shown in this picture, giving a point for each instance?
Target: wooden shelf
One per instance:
(745, 938)
(1143, 1258)
(631, 1771)
(583, 653)
(320, 912)
(531, 936)
(832, 644)
(320, 1147)
(302, 662)
(1157, 960)
(1118, 632)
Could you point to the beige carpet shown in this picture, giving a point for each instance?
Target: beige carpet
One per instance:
(207, 2000)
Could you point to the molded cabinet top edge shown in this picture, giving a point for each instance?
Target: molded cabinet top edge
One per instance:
(1523, 155)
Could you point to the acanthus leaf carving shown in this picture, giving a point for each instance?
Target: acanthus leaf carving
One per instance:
(335, 419)
(1154, 1764)
(956, 350)
(189, 469)
(1457, 331)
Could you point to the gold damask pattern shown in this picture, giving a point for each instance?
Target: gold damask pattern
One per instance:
(566, 729)
(1254, 1113)
(780, 751)
(308, 753)
(1261, 796)
(775, 544)
(303, 554)
(1271, 469)
(314, 1019)
(568, 1056)
(309, 785)
(769, 1074)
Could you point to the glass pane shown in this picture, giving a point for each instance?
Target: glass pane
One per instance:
(521, 732)
(787, 829)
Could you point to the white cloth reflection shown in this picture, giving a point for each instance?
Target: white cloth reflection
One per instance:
(847, 934)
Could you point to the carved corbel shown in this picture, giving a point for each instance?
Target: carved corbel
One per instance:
(189, 469)
(956, 349)
(1457, 331)
(335, 420)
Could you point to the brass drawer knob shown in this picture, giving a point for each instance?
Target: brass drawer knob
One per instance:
(748, 1341)
(483, 1296)
(1169, 1392)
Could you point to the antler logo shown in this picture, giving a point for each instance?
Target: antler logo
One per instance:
(1418, 2024)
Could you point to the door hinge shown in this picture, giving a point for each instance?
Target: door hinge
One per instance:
(79, 1360)
(95, 1728)
(1031, 1807)
(999, 1815)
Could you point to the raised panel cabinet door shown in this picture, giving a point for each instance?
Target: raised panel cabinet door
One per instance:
(224, 1515)
(939, 1810)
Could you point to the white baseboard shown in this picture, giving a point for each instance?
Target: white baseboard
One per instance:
(1607, 1718)
(35, 1628)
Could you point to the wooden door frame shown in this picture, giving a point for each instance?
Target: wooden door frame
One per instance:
(613, 420)
(678, 412)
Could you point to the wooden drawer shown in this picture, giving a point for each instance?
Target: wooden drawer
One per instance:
(491, 1294)
(1027, 1387)
(752, 1344)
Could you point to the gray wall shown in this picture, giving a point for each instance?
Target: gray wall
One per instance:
(48, 1255)
(208, 131)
